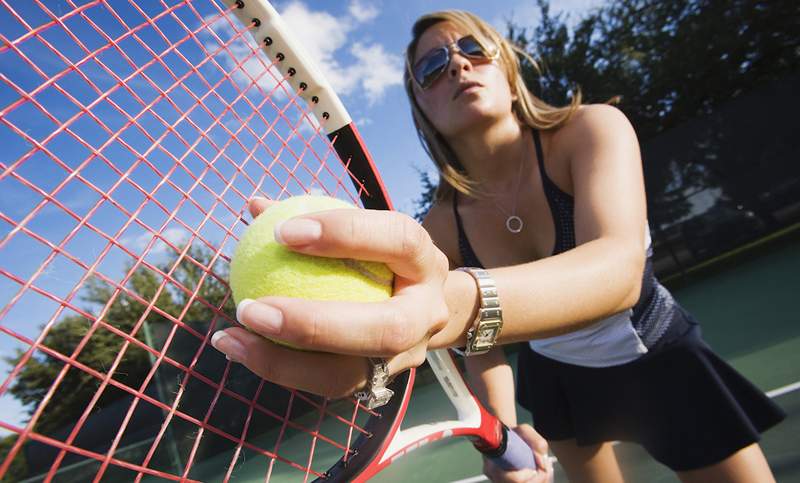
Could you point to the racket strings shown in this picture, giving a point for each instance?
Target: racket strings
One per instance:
(167, 122)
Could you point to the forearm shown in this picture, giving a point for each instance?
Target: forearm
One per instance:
(551, 296)
(493, 382)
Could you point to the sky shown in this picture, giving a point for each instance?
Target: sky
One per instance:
(359, 46)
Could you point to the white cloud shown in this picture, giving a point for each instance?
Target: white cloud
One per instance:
(377, 69)
(320, 33)
(175, 236)
(372, 69)
(352, 68)
(361, 12)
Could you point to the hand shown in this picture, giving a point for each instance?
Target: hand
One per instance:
(338, 336)
(539, 447)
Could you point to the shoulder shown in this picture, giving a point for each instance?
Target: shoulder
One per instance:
(593, 123)
(594, 133)
(440, 224)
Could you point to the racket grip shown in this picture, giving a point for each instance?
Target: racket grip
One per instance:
(517, 455)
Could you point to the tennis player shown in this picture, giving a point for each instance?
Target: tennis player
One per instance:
(550, 202)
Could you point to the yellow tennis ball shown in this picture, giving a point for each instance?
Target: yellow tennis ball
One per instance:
(261, 266)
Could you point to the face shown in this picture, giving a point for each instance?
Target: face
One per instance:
(470, 92)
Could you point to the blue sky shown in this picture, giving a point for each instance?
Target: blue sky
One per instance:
(360, 46)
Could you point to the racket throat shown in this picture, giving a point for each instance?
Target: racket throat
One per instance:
(493, 438)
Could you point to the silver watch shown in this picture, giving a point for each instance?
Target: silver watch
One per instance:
(376, 394)
(482, 336)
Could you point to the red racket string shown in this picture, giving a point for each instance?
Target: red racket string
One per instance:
(162, 130)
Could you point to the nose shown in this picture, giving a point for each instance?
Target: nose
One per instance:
(458, 63)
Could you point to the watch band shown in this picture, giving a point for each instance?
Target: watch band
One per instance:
(376, 394)
(482, 336)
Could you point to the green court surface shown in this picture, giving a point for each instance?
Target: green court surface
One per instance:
(747, 306)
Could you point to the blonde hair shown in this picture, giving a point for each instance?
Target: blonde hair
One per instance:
(529, 109)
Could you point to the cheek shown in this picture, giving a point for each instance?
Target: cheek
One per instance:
(500, 89)
(431, 105)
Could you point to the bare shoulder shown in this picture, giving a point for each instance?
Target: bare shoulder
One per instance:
(440, 224)
(595, 129)
(592, 123)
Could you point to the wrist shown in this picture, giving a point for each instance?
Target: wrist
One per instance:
(463, 302)
(485, 329)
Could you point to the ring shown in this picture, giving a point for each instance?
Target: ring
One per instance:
(376, 394)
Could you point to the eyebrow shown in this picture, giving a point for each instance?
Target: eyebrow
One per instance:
(416, 58)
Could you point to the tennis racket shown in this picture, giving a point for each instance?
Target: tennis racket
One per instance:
(133, 135)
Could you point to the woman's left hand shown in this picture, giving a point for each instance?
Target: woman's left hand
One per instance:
(338, 336)
(544, 471)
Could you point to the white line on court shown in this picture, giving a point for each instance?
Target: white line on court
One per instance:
(784, 390)
(771, 394)
(472, 480)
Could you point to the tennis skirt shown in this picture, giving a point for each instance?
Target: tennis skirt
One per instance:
(685, 405)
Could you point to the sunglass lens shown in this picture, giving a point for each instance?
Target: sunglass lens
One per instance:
(430, 67)
(470, 46)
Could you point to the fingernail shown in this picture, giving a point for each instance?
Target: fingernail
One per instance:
(240, 309)
(232, 348)
(297, 231)
(261, 318)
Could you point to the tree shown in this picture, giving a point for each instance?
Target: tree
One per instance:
(423, 203)
(149, 298)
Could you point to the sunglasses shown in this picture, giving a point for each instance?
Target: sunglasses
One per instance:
(431, 65)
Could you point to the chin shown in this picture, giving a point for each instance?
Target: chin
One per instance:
(471, 119)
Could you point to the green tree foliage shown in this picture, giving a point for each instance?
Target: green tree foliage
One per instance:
(423, 203)
(667, 61)
(189, 290)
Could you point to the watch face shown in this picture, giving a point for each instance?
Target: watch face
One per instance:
(485, 336)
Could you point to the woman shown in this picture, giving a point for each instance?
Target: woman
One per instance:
(552, 201)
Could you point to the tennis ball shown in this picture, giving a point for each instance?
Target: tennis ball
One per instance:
(261, 266)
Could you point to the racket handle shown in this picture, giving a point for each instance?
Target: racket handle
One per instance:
(517, 455)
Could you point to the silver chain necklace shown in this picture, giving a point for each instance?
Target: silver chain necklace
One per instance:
(514, 223)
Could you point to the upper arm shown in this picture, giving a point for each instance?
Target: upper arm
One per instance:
(606, 170)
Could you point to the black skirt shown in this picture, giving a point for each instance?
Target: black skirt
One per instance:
(682, 402)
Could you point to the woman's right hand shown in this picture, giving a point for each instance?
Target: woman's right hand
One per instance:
(337, 336)
(544, 473)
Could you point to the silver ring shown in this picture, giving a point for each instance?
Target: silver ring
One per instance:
(376, 394)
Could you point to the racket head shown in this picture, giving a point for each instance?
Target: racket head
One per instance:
(134, 136)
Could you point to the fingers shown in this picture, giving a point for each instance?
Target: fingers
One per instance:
(381, 236)
(496, 474)
(365, 329)
(328, 375)
(373, 235)
(539, 445)
(258, 204)
(402, 324)
(534, 439)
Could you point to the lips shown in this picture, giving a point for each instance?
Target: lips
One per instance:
(464, 86)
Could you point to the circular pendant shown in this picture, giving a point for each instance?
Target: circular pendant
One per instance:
(514, 224)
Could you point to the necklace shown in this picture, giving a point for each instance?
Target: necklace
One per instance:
(514, 223)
